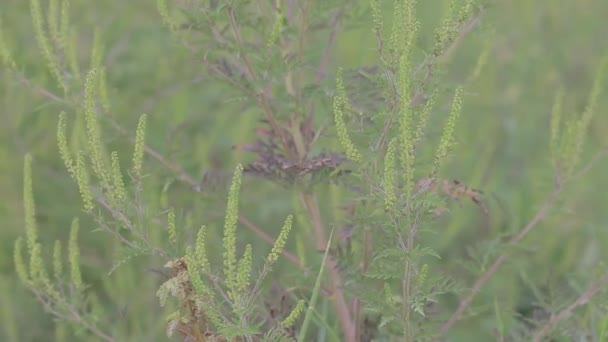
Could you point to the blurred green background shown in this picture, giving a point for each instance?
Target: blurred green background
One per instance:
(502, 147)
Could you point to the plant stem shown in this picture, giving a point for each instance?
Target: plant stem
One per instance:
(580, 301)
(407, 279)
(487, 275)
(346, 322)
(540, 215)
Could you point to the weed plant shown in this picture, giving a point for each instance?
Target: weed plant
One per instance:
(236, 175)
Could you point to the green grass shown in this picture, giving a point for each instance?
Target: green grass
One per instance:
(502, 147)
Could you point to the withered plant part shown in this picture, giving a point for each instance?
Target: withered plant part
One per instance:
(283, 155)
(454, 189)
(231, 54)
(291, 164)
(190, 322)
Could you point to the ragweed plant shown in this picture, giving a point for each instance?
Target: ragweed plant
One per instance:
(286, 152)
(117, 204)
(568, 137)
(63, 295)
(396, 265)
(363, 158)
(215, 306)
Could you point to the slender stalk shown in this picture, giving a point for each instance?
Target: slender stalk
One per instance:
(430, 63)
(342, 309)
(407, 279)
(186, 178)
(580, 301)
(540, 215)
(71, 314)
(407, 334)
(324, 62)
(175, 168)
(487, 275)
(261, 97)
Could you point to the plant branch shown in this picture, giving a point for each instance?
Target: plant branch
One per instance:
(407, 278)
(174, 167)
(264, 236)
(487, 275)
(583, 299)
(261, 98)
(430, 63)
(46, 93)
(342, 310)
(324, 62)
(580, 301)
(72, 314)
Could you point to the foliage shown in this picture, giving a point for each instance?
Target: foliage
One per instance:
(295, 190)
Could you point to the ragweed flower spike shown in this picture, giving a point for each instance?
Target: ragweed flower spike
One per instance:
(340, 104)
